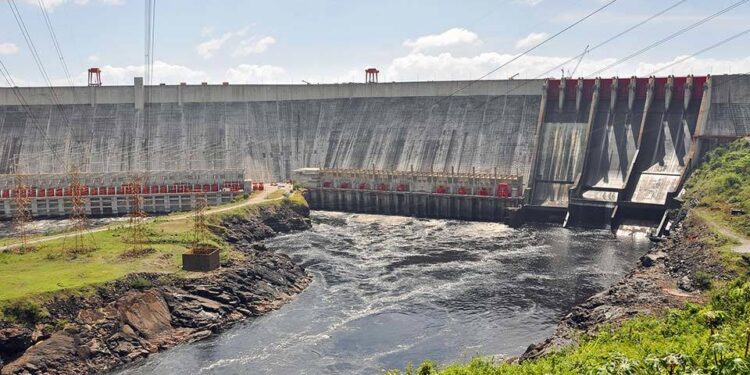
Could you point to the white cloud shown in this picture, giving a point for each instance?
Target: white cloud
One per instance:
(8, 49)
(254, 45)
(207, 48)
(531, 40)
(245, 73)
(445, 66)
(92, 58)
(163, 73)
(697, 66)
(449, 37)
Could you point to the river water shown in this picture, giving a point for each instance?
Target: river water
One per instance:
(391, 290)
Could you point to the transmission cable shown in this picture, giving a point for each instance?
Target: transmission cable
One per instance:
(22, 101)
(55, 42)
(612, 38)
(37, 59)
(669, 37)
(529, 50)
(685, 58)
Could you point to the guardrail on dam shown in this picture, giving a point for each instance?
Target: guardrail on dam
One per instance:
(594, 151)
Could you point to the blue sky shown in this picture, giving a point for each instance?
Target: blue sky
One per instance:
(334, 41)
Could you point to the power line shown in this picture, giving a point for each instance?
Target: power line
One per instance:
(717, 44)
(530, 50)
(37, 59)
(669, 37)
(16, 92)
(612, 38)
(55, 42)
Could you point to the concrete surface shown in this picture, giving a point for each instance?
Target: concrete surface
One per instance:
(663, 154)
(270, 139)
(614, 139)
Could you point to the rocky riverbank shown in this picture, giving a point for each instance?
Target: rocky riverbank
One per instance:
(673, 272)
(127, 320)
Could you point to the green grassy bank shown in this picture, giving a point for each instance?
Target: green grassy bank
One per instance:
(57, 267)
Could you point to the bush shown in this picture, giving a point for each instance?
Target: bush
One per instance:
(25, 312)
(702, 280)
(140, 283)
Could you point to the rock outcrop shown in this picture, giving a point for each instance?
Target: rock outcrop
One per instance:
(124, 323)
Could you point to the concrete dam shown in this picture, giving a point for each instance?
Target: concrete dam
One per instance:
(588, 152)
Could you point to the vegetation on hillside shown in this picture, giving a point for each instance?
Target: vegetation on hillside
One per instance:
(722, 183)
(710, 339)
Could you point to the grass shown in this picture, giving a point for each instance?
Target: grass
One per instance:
(50, 267)
(276, 194)
(709, 339)
(50, 270)
(723, 183)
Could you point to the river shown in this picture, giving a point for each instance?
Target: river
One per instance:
(388, 291)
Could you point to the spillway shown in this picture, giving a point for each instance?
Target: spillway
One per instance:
(584, 149)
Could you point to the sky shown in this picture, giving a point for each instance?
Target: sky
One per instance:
(330, 41)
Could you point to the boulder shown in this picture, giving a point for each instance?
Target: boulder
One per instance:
(14, 339)
(650, 259)
(59, 348)
(146, 312)
(685, 284)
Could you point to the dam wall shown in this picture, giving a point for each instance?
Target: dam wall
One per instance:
(596, 151)
(270, 130)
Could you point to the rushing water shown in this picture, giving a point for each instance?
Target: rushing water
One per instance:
(390, 290)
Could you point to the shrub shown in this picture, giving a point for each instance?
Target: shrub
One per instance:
(140, 283)
(25, 312)
(702, 280)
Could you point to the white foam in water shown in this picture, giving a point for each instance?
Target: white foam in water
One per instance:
(388, 291)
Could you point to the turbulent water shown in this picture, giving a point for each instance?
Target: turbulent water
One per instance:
(389, 290)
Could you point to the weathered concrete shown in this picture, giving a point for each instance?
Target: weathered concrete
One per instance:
(563, 141)
(270, 138)
(567, 147)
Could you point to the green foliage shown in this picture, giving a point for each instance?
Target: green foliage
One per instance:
(722, 182)
(298, 199)
(276, 194)
(140, 283)
(702, 280)
(26, 312)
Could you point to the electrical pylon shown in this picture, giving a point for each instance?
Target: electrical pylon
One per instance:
(22, 215)
(200, 227)
(78, 218)
(135, 193)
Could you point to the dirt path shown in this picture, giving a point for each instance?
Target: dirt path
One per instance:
(743, 243)
(254, 200)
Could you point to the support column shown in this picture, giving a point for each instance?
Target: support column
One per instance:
(138, 94)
